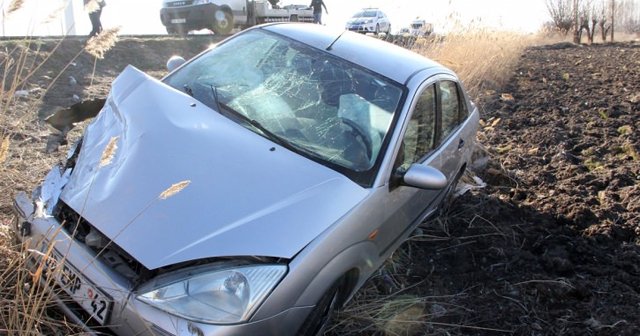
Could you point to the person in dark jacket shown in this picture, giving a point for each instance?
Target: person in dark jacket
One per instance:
(317, 10)
(94, 16)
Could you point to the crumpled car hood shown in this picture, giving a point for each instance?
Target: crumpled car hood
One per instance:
(234, 192)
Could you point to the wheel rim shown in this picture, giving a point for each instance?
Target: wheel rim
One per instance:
(221, 19)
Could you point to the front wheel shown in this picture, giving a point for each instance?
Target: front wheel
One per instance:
(377, 29)
(222, 22)
(318, 320)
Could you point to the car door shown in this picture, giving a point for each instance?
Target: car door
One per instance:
(452, 112)
(431, 136)
(384, 22)
(406, 206)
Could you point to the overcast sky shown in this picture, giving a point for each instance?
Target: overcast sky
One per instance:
(50, 17)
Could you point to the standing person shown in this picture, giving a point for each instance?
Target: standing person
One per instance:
(94, 15)
(317, 10)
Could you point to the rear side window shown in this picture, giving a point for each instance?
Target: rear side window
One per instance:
(451, 108)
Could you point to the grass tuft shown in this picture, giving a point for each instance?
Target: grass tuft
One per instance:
(4, 149)
(403, 315)
(103, 42)
(15, 5)
(109, 152)
(174, 189)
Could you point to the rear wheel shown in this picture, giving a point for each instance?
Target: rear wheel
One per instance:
(222, 21)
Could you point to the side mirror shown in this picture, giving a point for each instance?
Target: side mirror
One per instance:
(175, 62)
(424, 177)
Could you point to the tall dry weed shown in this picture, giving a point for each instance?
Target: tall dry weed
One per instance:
(483, 58)
(103, 42)
(14, 6)
(25, 302)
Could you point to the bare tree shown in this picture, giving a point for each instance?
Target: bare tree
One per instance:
(628, 16)
(561, 12)
(613, 16)
(594, 14)
(605, 15)
(585, 17)
(591, 14)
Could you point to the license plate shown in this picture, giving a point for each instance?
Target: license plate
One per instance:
(90, 298)
(178, 20)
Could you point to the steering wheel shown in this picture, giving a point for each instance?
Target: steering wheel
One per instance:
(359, 132)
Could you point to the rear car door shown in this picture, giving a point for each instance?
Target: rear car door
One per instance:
(453, 111)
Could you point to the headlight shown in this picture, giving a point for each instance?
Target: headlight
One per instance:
(369, 21)
(201, 2)
(217, 297)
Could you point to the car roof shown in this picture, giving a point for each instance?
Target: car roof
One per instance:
(389, 60)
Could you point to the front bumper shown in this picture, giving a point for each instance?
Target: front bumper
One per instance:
(185, 18)
(127, 315)
(362, 28)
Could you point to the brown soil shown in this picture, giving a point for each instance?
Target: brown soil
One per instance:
(548, 247)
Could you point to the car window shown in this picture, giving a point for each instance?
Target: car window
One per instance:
(450, 102)
(321, 106)
(368, 14)
(419, 136)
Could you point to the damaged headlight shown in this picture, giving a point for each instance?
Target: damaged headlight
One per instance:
(217, 297)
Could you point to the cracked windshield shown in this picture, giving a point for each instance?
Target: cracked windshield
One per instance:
(299, 97)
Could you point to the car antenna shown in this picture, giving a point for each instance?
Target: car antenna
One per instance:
(334, 41)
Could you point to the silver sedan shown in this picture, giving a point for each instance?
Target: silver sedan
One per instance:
(251, 191)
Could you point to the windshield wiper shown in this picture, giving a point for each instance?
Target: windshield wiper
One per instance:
(188, 89)
(257, 125)
(214, 91)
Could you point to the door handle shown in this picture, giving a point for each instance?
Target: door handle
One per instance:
(460, 144)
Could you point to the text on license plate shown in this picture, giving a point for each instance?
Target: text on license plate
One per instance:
(178, 20)
(81, 291)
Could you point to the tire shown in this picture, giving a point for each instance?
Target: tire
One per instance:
(318, 320)
(177, 30)
(377, 29)
(222, 21)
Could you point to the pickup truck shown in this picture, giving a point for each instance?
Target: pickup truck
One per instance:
(420, 27)
(222, 16)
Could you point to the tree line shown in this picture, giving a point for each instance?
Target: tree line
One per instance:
(587, 17)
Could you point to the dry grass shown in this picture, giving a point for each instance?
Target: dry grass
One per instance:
(14, 6)
(103, 42)
(482, 58)
(25, 302)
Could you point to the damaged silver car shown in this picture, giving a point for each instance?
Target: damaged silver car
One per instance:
(251, 191)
